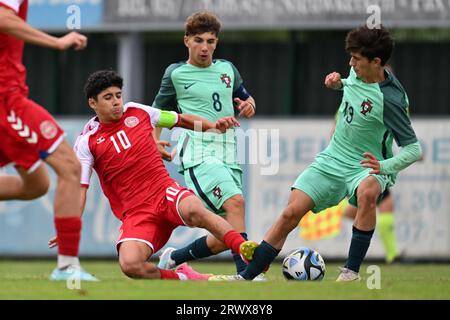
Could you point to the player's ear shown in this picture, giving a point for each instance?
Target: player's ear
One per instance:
(186, 40)
(92, 103)
(377, 61)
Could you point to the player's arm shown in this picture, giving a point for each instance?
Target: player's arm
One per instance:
(166, 99)
(396, 119)
(406, 157)
(162, 144)
(196, 123)
(13, 25)
(245, 103)
(86, 159)
(170, 119)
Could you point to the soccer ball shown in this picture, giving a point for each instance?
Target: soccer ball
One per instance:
(303, 264)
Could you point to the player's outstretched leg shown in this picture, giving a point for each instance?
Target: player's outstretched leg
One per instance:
(133, 260)
(67, 212)
(299, 204)
(195, 214)
(207, 246)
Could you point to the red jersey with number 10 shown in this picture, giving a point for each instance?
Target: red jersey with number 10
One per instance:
(12, 70)
(126, 159)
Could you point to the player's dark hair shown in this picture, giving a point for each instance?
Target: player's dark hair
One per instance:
(370, 43)
(101, 80)
(201, 22)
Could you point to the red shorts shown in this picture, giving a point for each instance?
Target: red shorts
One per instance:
(155, 226)
(28, 132)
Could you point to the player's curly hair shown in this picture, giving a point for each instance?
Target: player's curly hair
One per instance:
(370, 43)
(101, 80)
(201, 22)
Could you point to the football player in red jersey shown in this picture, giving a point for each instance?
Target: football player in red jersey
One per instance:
(118, 144)
(30, 136)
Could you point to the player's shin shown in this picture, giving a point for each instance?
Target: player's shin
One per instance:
(195, 250)
(358, 248)
(233, 240)
(68, 232)
(262, 258)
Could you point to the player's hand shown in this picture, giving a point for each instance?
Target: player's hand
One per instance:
(227, 122)
(371, 162)
(161, 145)
(333, 81)
(245, 108)
(53, 242)
(72, 39)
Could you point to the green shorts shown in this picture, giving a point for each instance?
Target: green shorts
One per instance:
(327, 181)
(214, 183)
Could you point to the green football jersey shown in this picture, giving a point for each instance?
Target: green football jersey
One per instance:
(370, 116)
(208, 93)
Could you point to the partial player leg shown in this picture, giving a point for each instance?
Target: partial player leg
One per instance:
(386, 227)
(221, 193)
(133, 260)
(195, 214)
(235, 215)
(367, 194)
(209, 245)
(67, 209)
(26, 186)
(299, 204)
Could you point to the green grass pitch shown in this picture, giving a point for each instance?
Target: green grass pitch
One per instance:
(28, 280)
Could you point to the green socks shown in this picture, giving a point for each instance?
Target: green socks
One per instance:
(386, 231)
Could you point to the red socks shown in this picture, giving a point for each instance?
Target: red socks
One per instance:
(233, 240)
(68, 233)
(168, 275)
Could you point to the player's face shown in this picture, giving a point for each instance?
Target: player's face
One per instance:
(201, 48)
(364, 68)
(109, 105)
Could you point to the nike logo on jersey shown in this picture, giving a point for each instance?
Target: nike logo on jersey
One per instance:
(100, 140)
(187, 86)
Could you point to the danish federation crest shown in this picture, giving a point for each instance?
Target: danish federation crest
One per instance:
(226, 79)
(48, 129)
(366, 106)
(131, 122)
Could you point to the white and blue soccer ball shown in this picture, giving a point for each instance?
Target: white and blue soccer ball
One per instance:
(303, 264)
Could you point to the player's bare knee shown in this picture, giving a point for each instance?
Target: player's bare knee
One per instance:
(132, 269)
(194, 213)
(196, 217)
(291, 215)
(72, 170)
(235, 204)
(367, 198)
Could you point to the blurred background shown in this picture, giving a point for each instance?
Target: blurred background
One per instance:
(283, 50)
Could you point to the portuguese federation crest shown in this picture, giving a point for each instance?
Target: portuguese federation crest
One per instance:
(226, 79)
(366, 106)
